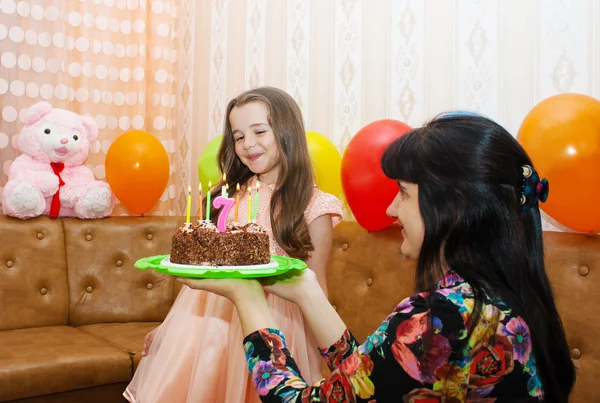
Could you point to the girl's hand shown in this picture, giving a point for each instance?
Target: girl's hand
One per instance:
(234, 289)
(293, 286)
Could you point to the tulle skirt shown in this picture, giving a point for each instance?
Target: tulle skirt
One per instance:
(197, 353)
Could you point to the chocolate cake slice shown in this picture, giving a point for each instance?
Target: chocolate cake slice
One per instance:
(203, 245)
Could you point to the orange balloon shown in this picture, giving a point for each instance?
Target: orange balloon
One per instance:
(562, 136)
(137, 170)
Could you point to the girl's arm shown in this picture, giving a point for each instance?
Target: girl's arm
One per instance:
(321, 236)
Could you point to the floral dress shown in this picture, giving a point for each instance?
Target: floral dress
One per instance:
(403, 361)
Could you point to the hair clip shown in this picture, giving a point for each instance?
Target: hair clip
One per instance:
(534, 189)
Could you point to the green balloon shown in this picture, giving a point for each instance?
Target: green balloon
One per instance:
(208, 165)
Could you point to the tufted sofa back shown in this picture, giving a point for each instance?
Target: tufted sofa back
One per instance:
(78, 272)
(34, 287)
(103, 284)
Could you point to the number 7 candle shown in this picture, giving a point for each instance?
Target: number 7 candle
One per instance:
(226, 203)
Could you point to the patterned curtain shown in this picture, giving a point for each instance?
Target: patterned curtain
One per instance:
(124, 62)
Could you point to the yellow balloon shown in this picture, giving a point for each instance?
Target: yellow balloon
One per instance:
(326, 162)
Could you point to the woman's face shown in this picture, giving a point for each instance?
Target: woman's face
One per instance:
(405, 207)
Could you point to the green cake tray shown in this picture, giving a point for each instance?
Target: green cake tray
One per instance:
(278, 265)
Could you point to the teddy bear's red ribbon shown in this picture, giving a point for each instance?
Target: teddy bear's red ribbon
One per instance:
(57, 167)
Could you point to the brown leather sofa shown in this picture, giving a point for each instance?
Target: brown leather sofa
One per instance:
(74, 311)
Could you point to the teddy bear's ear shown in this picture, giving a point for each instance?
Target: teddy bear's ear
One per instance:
(37, 111)
(91, 127)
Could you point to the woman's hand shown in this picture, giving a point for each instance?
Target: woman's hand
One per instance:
(234, 289)
(302, 288)
(293, 286)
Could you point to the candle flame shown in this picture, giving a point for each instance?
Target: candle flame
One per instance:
(189, 189)
(249, 188)
(257, 185)
(227, 186)
(237, 187)
(200, 187)
(224, 177)
(209, 184)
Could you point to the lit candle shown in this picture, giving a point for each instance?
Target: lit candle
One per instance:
(200, 202)
(255, 203)
(208, 201)
(189, 205)
(249, 203)
(226, 203)
(237, 203)
(223, 186)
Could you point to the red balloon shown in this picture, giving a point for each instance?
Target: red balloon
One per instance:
(368, 191)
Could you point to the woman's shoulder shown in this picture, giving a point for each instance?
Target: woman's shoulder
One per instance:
(322, 203)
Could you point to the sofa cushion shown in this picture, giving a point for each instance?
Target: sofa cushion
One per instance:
(47, 360)
(128, 336)
(33, 273)
(375, 275)
(104, 287)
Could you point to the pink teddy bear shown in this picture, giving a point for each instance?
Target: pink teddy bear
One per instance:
(48, 177)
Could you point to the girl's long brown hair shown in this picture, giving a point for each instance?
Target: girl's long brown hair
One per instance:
(294, 187)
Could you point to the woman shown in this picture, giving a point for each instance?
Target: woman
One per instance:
(483, 326)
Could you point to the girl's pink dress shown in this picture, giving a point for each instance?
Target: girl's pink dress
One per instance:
(197, 353)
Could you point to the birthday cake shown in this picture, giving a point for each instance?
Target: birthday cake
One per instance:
(203, 245)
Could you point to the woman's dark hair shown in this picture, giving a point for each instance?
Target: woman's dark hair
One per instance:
(469, 172)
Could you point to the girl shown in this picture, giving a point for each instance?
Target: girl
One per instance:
(483, 326)
(196, 354)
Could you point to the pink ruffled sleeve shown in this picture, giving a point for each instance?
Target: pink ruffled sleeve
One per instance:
(321, 204)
